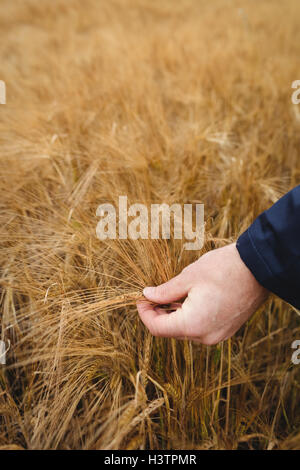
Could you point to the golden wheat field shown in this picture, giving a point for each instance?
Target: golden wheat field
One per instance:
(184, 101)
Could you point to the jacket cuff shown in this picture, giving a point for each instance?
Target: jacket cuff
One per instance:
(251, 254)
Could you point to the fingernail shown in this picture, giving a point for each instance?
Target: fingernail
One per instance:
(148, 291)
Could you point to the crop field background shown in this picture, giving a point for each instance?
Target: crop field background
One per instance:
(185, 101)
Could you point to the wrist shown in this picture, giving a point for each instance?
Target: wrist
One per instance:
(247, 277)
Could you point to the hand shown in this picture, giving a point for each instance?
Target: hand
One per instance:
(221, 294)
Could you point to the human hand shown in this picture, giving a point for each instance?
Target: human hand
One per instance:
(221, 294)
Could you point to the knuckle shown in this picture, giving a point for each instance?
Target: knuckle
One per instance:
(161, 290)
(153, 330)
(209, 340)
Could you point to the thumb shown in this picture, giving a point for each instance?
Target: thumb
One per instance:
(170, 291)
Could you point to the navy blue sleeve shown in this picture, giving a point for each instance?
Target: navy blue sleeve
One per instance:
(270, 248)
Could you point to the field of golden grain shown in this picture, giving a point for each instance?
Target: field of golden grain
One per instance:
(163, 101)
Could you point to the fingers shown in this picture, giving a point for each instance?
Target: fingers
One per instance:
(173, 325)
(159, 323)
(170, 291)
